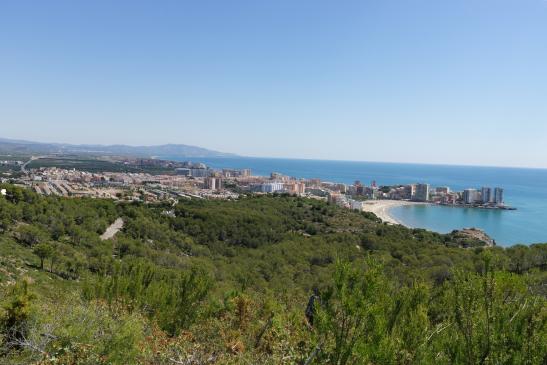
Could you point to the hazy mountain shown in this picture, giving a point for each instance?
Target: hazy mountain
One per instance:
(172, 150)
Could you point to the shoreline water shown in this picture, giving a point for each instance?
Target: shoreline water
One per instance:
(381, 208)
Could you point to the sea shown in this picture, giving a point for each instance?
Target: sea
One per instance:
(524, 189)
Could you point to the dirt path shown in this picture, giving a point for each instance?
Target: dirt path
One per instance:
(113, 229)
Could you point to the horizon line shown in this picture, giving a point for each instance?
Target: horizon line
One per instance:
(387, 162)
(235, 155)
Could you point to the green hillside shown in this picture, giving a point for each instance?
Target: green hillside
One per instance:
(259, 280)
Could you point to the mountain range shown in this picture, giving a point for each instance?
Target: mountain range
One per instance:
(166, 150)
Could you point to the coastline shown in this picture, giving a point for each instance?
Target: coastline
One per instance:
(526, 226)
(381, 209)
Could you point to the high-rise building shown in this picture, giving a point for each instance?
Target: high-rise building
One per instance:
(498, 196)
(421, 193)
(470, 196)
(213, 183)
(410, 191)
(486, 195)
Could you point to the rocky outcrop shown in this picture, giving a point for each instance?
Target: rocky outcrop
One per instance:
(473, 237)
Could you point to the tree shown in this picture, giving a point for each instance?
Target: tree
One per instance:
(43, 251)
(174, 299)
(31, 235)
(496, 319)
(352, 317)
(6, 215)
(14, 194)
(17, 312)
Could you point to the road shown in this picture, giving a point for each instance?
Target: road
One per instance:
(24, 166)
(113, 229)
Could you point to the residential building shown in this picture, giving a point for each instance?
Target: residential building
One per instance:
(486, 195)
(410, 191)
(183, 171)
(372, 192)
(422, 193)
(295, 187)
(442, 190)
(343, 188)
(450, 199)
(313, 183)
(278, 177)
(271, 187)
(357, 204)
(399, 193)
(213, 183)
(470, 196)
(498, 196)
(199, 172)
(338, 199)
(229, 173)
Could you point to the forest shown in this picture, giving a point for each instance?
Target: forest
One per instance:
(272, 279)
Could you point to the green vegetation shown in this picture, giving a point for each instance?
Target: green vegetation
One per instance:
(260, 280)
(91, 164)
(80, 163)
(11, 169)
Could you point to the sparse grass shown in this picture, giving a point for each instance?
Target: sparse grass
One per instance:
(18, 262)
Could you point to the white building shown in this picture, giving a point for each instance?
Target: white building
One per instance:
(357, 205)
(3, 192)
(272, 187)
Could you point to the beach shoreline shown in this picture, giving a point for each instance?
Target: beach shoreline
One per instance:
(381, 208)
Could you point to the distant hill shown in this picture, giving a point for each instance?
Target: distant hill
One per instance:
(171, 150)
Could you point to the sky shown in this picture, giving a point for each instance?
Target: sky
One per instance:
(428, 81)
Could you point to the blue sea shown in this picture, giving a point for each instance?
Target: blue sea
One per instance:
(525, 189)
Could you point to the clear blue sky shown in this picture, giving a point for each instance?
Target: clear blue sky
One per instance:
(434, 81)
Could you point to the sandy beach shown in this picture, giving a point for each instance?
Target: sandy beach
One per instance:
(381, 208)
